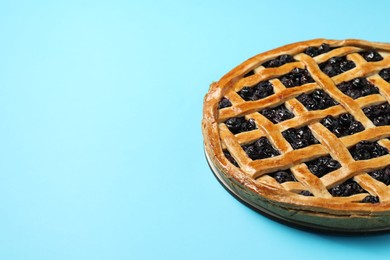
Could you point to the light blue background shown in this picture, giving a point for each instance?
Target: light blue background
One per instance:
(100, 140)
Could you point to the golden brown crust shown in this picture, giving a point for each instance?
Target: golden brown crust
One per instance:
(252, 174)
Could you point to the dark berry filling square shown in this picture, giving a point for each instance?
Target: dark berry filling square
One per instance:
(315, 51)
(357, 88)
(317, 100)
(378, 114)
(299, 137)
(343, 125)
(365, 150)
(240, 124)
(323, 165)
(306, 193)
(230, 158)
(279, 61)
(259, 91)
(250, 73)
(382, 175)
(283, 176)
(260, 149)
(277, 114)
(296, 77)
(385, 74)
(371, 55)
(348, 188)
(370, 199)
(336, 65)
(224, 103)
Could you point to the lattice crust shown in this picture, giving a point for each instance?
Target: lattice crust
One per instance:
(254, 173)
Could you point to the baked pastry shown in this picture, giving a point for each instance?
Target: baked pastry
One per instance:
(302, 132)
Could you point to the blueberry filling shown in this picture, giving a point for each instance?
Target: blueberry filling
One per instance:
(299, 137)
(283, 176)
(343, 125)
(277, 114)
(261, 90)
(385, 74)
(296, 77)
(315, 51)
(323, 165)
(318, 99)
(371, 55)
(365, 150)
(278, 61)
(240, 124)
(336, 65)
(382, 175)
(347, 188)
(306, 193)
(358, 87)
(370, 199)
(230, 158)
(260, 149)
(378, 114)
(224, 103)
(250, 73)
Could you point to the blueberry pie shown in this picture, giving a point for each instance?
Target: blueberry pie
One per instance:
(301, 133)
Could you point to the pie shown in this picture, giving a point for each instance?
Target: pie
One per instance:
(301, 133)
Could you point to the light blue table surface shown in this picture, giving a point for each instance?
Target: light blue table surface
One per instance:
(100, 141)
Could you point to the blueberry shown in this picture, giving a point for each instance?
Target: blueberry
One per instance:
(306, 193)
(371, 199)
(385, 74)
(365, 150)
(261, 143)
(296, 77)
(248, 125)
(246, 93)
(318, 99)
(299, 138)
(339, 130)
(346, 65)
(250, 73)
(224, 103)
(378, 114)
(315, 51)
(354, 128)
(283, 176)
(251, 152)
(277, 114)
(332, 164)
(259, 91)
(382, 175)
(324, 48)
(230, 158)
(323, 165)
(358, 87)
(344, 125)
(279, 61)
(362, 155)
(336, 65)
(347, 188)
(329, 122)
(286, 59)
(234, 124)
(345, 119)
(260, 149)
(371, 55)
(312, 51)
(328, 70)
(240, 124)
